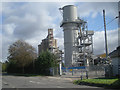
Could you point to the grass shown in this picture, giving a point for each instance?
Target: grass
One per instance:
(102, 82)
(99, 81)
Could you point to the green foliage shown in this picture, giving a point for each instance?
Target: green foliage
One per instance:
(21, 55)
(112, 83)
(12, 67)
(22, 60)
(25, 75)
(63, 65)
(4, 67)
(116, 84)
(45, 61)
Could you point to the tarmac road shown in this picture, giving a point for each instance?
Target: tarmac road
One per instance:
(16, 82)
(9, 81)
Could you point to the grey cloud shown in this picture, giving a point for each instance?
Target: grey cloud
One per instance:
(30, 21)
(6, 42)
(99, 41)
(92, 8)
(35, 19)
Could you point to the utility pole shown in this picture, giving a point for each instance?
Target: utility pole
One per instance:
(106, 46)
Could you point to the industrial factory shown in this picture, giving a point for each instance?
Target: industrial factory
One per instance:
(78, 47)
(78, 41)
(49, 43)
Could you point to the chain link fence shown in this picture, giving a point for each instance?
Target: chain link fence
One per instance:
(94, 71)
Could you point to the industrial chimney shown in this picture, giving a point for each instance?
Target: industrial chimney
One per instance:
(70, 29)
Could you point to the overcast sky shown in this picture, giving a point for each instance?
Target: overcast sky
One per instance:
(30, 22)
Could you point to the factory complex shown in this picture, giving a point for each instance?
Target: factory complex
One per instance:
(78, 45)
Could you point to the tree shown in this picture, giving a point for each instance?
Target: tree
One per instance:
(4, 66)
(44, 62)
(22, 53)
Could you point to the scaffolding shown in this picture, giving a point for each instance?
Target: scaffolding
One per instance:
(84, 45)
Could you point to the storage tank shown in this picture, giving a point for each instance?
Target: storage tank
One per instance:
(69, 13)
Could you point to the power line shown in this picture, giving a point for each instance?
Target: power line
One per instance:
(109, 22)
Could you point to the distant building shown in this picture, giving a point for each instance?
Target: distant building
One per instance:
(102, 55)
(100, 59)
(49, 43)
(115, 56)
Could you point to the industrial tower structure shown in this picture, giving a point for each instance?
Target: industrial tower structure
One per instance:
(78, 44)
(49, 43)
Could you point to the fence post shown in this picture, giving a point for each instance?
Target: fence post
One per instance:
(53, 71)
(86, 74)
(87, 67)
(72, 72)
(81, 75)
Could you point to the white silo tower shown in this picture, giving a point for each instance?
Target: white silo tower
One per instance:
(70, 28)
(78, 45)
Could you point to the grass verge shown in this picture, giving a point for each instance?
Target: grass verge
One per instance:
(100, 82)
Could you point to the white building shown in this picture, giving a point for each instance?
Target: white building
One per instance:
(115, 56)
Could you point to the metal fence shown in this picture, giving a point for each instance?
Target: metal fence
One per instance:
(86, 72)
(96, 71)
(93, 71)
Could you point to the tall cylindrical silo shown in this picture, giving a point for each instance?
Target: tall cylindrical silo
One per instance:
(70, 29)
(69, 13)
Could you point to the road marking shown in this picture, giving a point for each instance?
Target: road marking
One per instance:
(35, 82)
(54, 77)
(8, 84)
(31, 81)
(59, 87)
(5, 83)
(61, 78)
(13, 87)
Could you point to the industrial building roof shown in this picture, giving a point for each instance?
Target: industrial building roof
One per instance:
(115, 53)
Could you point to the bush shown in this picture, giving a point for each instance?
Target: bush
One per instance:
(4, 67)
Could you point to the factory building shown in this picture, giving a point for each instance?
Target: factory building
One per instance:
(49, 43)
